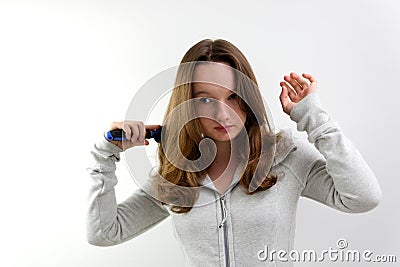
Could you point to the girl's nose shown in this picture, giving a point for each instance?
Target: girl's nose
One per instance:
(222, 111)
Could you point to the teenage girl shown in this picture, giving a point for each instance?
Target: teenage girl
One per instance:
(246, 196)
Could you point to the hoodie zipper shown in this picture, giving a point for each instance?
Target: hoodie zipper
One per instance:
(223, 226)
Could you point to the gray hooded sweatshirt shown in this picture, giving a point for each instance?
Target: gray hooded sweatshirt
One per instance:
(237, 229)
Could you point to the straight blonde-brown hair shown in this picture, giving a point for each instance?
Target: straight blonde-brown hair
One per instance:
(172, 181)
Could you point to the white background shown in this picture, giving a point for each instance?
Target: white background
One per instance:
(70, 68)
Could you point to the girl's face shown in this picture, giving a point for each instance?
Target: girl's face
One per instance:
(216, 106)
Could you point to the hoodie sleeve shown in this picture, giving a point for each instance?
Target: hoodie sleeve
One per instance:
(340, 178)
(108, 223)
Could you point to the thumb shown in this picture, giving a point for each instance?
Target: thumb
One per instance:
(284, 96)
(285, 100)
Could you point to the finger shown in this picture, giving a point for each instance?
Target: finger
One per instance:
(127, 130)
(291, 92)
(284, 98)
(115, 125)
(135, 133)
(288, 86)
(303, 83)
(311, 78)
(142, 131)
(295, 85)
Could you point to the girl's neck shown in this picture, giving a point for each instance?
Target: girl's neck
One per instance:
(225, 162)
(225, 150)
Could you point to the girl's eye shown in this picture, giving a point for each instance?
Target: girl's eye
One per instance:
(233, 96)
(204, 100)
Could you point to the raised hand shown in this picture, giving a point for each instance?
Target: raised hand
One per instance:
(295, 88)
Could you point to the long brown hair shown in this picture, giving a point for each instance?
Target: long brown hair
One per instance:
(178, 185)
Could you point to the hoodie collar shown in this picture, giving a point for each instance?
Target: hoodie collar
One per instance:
(283, 149)
(207, 183)
(285, 145)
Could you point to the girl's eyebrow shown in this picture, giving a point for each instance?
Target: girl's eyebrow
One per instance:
(202, 92)
(208, 93)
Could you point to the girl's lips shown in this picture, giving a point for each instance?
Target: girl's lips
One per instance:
(224, 128)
